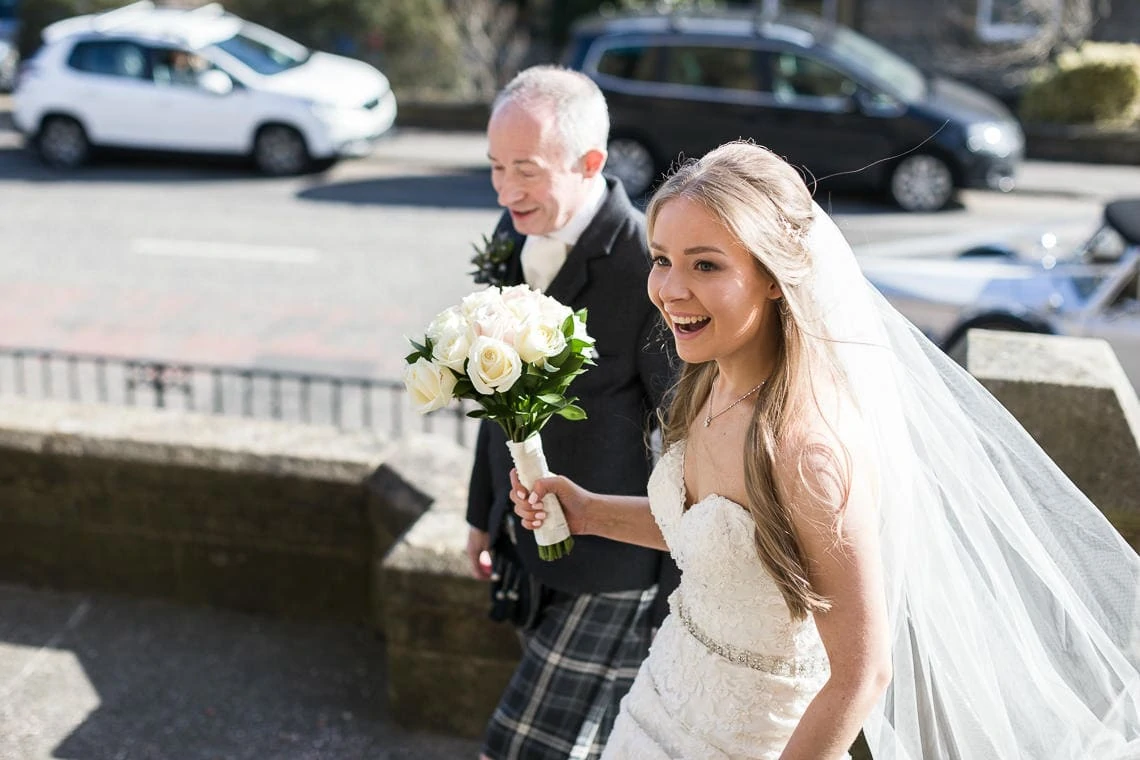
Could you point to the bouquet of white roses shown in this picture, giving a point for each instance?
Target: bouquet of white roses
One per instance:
(513, 351)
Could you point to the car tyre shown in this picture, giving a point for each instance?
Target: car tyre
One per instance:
(922, 183)
(62, 143)
(280, 151)
(631, 161)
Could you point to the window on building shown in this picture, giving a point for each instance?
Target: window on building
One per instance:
(1013, 20)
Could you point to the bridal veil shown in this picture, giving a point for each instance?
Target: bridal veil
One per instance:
(1014, 604)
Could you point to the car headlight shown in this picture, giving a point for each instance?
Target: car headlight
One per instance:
(995, 138)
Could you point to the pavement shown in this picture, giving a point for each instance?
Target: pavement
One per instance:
(101, 677)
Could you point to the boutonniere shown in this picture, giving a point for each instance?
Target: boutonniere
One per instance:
(490, 259)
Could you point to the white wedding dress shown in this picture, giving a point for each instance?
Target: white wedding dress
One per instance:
(730, 672)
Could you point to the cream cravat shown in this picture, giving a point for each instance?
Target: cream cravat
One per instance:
(542, 257)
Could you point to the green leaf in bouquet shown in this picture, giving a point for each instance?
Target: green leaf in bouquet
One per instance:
(477, 414)
(560, 359)
(572, 412)
(553, 399)
(412, 357)
(422, 349)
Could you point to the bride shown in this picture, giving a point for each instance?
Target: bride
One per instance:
(891, 552)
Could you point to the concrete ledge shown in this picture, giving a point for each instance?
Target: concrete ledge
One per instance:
(1073, 397)
(189, 440)
(448, 663)
(259, 516)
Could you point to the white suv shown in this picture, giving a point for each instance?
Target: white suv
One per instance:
(201, 81)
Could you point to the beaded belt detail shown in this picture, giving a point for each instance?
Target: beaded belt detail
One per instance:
(790, 667)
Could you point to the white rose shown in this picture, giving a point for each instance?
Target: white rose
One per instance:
(451, 338)
(480, 301)
(429, 385)
(493, 365)
(553, 311)
(487, 315)
(580, 331)
(522, 302)
(518, 293)
(539, 340)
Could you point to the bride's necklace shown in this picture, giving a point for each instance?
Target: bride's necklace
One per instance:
(709, 417)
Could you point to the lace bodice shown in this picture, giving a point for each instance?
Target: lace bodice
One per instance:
(725, 589)
(730, 673)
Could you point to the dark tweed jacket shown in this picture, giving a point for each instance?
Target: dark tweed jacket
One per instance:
(605, 273)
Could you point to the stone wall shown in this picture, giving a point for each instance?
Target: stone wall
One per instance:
(257, 516)
(1073, 397)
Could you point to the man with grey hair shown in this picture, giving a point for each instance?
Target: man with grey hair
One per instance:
(586, 619)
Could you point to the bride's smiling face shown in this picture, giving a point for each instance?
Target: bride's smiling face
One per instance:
(716, 299)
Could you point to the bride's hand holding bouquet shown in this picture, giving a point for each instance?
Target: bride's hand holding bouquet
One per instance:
(514, 352)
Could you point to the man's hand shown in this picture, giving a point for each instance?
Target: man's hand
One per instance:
(478, 553)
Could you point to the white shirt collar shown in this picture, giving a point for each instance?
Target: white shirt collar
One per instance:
(578, 223)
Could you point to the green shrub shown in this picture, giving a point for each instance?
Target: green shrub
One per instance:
(1097, 84)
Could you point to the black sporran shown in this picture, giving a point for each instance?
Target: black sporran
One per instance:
(516, 595)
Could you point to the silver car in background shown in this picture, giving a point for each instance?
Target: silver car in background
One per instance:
(1093, 292)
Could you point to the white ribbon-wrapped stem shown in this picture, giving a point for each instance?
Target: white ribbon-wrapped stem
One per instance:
(553, 536)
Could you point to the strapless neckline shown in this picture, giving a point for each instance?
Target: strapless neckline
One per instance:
(678, 450)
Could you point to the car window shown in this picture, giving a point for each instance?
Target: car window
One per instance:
(885, 69)
(262, 56)
(796, 76)
(174, 67)
(109, 58)
(638, 63)
(727, 68)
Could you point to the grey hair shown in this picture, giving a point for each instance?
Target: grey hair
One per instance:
(580, 115)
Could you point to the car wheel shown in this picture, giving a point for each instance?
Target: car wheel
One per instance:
(633, 163)
(279, 151)
(62, 143)
(922, 183)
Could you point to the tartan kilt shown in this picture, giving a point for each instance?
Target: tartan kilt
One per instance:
(576, 666)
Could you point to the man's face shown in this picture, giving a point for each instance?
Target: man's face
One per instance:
(537, 182)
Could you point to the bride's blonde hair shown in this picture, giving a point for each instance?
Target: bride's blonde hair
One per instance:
(764, 204)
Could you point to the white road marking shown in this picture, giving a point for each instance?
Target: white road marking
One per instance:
(206, 249)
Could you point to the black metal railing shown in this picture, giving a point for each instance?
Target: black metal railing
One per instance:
(345, 402)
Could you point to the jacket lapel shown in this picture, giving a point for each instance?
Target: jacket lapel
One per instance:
(596, 241)
(514, 273)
